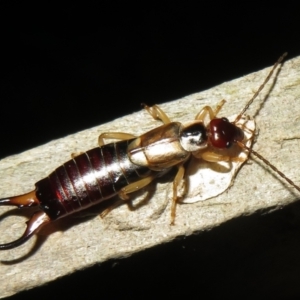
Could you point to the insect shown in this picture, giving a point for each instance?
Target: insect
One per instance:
(125, 166)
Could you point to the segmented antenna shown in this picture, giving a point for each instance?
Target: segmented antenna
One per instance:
(291, 182)
(281, 58)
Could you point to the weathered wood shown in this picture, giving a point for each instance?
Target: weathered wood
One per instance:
(124, 232)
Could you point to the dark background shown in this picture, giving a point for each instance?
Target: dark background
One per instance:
(66, 68)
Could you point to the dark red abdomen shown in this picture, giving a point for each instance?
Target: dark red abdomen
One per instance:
(89, 178)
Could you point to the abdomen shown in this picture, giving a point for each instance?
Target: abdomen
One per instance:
(88, 179)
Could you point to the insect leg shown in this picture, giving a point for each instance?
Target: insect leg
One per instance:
(207, 110)
(130, 188)
(178, 178)
(157, 113)
(114, 135)
(109, 135)
(73, 155)
(215, 157)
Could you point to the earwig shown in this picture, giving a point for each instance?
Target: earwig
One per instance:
(125, 166)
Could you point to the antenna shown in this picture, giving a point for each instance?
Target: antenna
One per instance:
(292, 183)
(251, 151)
(281, 58)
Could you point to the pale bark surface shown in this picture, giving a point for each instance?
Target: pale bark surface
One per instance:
(124, 232)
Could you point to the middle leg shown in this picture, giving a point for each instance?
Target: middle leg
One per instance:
(178, 178)
(114, 135)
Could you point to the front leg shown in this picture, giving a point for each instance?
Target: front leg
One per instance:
(207, 110)
(211, 156)
(109, 135)
(157, 113)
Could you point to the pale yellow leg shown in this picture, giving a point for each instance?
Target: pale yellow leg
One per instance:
(157, 113)
(73, 155)
(207, 110)
(109, 135)
(110, 208)
(178, 178)
(214, 157)
(114, 135)
(130, 188)
(135, 186)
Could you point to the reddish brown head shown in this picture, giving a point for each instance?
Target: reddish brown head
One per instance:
(223, 133)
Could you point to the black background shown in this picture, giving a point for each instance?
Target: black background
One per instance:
(66, 68)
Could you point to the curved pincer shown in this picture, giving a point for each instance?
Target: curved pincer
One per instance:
(38, 219)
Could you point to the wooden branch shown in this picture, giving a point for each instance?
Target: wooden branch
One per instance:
(123, 232)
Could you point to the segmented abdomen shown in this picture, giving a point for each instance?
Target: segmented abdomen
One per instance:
(89, 178)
